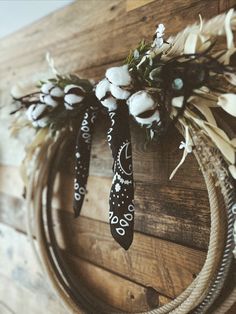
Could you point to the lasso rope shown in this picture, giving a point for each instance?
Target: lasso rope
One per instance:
(193, 299)
(163, 83)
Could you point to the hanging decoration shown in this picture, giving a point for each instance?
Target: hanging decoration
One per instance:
(183, 81)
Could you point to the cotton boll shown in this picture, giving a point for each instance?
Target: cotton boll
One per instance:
(143, 108)
(48, 100)
(41, 123)
(119, 76)
(35, 114)
(110, 103)
(228, 103)
(57, 92)
(74, 95)
(38, 110)
(71, 101)
(46, 87)
(102, 88)
(118, 92)
(29, 112)
(140, 102)
(51, 94)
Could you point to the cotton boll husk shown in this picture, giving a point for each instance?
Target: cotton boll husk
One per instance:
(119, 76)
(154, 117)
(102, 88)
(118, 92)
(228, 103)
(110, 103)
(140, 102)
(46, 87)
(73, 86)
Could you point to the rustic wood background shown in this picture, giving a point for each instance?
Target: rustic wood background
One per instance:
(172, 217)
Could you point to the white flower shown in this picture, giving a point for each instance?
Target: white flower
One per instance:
(160, 30)
(36, 114)
(158, 41)
(117, 187)
(143, 108)
(74, 95)
(109, 90)
(187, 147)
(228, 103)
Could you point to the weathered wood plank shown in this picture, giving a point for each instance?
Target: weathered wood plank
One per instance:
(124, 294)
(112, 289)
(153, 162)
(167, 267)
(12, 211)
(179, 215)
(155, 251)
(22, 282)
(22, 58)
(73, 36)
(134, 4)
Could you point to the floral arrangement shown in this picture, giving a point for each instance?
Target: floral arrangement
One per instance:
(182, 80)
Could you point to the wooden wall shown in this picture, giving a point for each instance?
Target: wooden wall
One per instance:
(172, 217)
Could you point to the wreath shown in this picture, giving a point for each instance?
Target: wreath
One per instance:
(183, 81)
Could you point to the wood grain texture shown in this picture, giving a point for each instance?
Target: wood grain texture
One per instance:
(165, 266)
(160, 210)
(134, 4)
(172, 219)
(23, 283)
(108, 286)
